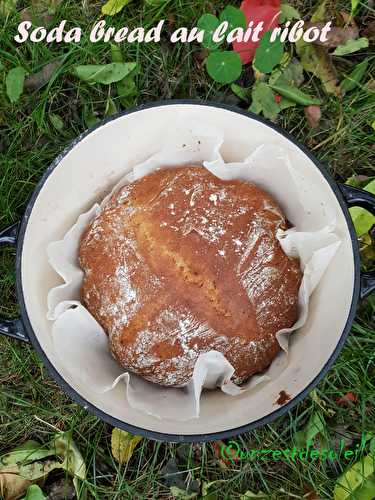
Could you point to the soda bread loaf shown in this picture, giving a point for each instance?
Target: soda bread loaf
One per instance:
(179, 263)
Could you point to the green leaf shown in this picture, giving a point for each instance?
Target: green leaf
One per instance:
(224, 67)
(126, 88)
(291, 75)
(110, 107)
(38, 470)
(241, 92)
(355, 478)
(367, 490)
(104, 73)
(287, 13)
(235, 18)
(182, 494)
(209, 23)
(362, 219)
(268, 54)
(355, 77)
(355, 5)
(112, 7)
(286, 103)
(256, 106)
(89, 116)
(73, 462)
(14, 83)
(34, 493)
(123, 444)
(116, 53)
(351, 46)
(314, 426)
(27, 452)
(264, 101)
(56, 122)
(294, 94)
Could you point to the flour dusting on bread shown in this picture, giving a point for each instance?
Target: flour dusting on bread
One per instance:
(179, 263)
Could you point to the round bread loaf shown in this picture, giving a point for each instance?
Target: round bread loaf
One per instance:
(179, 263)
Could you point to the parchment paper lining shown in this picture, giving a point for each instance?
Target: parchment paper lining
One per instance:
(81, 343)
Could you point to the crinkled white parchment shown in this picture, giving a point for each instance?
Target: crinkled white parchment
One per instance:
(81, 343)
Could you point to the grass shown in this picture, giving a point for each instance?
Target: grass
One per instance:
(31, 404)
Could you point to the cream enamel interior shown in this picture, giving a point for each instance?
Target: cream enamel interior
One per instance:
(92, 167)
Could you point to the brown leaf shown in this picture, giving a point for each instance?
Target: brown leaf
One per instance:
(224, 463)
(41, 5)
(347, 18)
(309, 493)
(11, 484)
(40, 11)
(42, 18)
(201, 55)
(337, 36)
(38, 80)
(346, 400)
(316, 59)
(369, 31)
(313, 115)
(340, 434)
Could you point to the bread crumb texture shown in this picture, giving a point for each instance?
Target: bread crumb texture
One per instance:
(181, 262)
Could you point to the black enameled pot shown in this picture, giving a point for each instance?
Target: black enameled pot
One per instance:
(71, 183)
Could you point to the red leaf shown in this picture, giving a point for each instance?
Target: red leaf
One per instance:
(347, 399)
(313, 115)
(266, 11)
(231, 454)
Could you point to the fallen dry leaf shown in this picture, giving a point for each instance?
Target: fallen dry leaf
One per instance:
(123, 444)
(221, 449)
(201, 56)
(11, 484)
(369, 31)
(43, 18)
(38, 80)
(309, 493)
(316, 59)
(337, 36)
(15, 479)
(347, 399)
(41, 5)
(313, 115)
(40, 11)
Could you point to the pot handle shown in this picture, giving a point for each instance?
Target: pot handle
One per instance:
(355, 197)
(11, 327)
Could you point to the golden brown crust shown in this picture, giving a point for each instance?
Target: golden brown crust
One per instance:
(179, 263)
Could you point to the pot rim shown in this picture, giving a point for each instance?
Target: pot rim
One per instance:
(159, 436)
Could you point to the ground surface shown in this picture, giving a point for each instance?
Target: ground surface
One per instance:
(30, 401)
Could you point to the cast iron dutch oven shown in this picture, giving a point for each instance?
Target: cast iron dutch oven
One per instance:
(90, 165)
